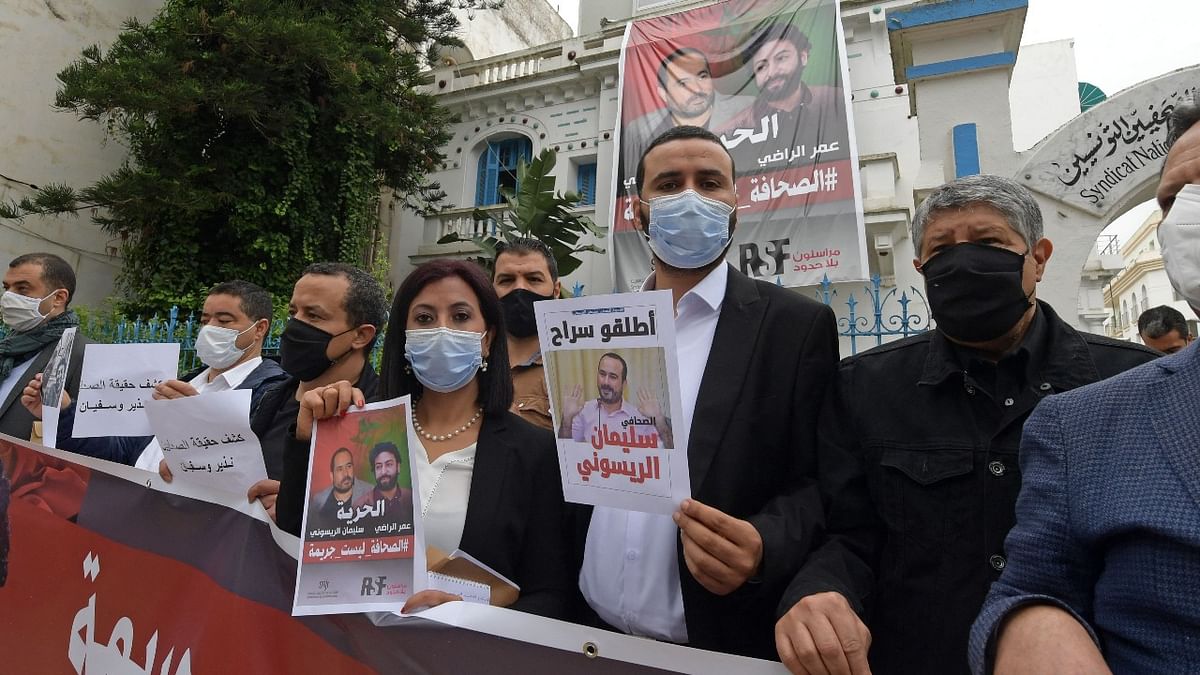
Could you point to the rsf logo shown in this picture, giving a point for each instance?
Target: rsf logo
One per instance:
(373, 585)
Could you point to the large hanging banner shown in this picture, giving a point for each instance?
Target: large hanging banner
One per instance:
(768, 78)
(105, 569)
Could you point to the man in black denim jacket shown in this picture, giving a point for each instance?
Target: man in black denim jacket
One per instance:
(935, 422)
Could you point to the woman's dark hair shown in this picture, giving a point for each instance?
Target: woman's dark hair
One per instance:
(495, 384)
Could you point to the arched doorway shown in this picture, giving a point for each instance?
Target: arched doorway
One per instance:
(1095, 168)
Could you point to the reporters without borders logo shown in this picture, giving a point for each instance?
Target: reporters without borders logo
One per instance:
(373, 585)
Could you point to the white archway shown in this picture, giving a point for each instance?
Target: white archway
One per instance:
(1096, 167)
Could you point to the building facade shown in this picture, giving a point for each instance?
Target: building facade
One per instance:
(1141, 284)
(936, 88)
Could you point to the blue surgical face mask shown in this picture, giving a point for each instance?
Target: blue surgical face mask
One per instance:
(443, 359)
(688, 230)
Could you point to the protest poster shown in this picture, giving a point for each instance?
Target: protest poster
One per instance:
(769, 79)
(54, 381)
(207, 439)
(106, 569)
(116, 382)
(361, 547)
(612, 375)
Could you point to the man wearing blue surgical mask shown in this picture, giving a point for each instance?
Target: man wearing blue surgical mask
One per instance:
(754, 362)
(1104, 560)
(38, 289)
(939, 455)
(234, 322)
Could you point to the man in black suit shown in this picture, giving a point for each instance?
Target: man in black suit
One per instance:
(38, 287)
(754, 362)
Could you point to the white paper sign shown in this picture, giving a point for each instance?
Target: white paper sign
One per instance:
(361, 543)
(613, 379)
(207, 439)
(117, 382)
(469, 591)
(54, 381)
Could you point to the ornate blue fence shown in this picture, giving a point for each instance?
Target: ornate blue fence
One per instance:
(887, 316)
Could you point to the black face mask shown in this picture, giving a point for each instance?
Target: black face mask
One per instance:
(975, 291)
(518, 312)
(302, 349)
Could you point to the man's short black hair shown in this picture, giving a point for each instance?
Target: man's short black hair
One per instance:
(382, 447)
(1158, 321)
(254, 300)
(624, 366)
(527, 245)
(56, 273)
(333, 457)
(778, 31)
(365, 302)
(677, 134)
(675, 56)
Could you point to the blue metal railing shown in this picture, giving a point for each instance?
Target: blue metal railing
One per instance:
(884, 320)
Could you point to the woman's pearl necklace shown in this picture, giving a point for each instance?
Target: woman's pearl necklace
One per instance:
(444, 437)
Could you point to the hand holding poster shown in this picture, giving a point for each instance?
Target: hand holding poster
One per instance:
(768, 79)
(361, 547)
(611, 371)
(207, 439)
(117, 381)
(54, 381)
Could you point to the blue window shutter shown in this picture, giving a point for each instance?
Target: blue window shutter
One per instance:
(586, 183)
(486, 188)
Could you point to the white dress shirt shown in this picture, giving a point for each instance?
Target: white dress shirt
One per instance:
(152, 454)
(630, 573)
(445, 485)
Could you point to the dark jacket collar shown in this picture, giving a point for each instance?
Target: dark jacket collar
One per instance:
(1063, 360)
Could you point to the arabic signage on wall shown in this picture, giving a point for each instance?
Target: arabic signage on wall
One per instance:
(1111, 149)
(768, 78)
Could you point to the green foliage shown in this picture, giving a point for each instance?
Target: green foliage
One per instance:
(261, 134)
(535, 210)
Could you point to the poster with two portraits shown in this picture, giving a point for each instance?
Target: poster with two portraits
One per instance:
(769, 79)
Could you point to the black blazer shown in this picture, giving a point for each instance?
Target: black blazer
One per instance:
(514, 521)
(752, 453)
(15, 420)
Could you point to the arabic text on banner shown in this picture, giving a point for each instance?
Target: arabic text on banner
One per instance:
(116, 382)
(613, 379)
(788, 128)
(207, 439)
(361, 544)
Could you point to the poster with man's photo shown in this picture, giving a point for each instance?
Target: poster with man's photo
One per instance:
(768, 79)
(614, 396)
(361, 546)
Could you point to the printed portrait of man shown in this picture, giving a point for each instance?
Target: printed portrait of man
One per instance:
(397, 502)
(580, 419)
(341, 495)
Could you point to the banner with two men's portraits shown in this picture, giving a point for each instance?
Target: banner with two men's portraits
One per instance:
(769, 79)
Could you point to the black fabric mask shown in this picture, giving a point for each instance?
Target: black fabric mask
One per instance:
(975, 291)
(518, 312)
(302, 349)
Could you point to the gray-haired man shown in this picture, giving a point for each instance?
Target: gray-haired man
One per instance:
(939, 458)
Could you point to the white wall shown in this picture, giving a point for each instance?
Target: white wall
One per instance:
(40, 145)
(1044, 91)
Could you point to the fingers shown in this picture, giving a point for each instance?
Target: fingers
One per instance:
(263, 488)
(426, 599)
(31, 396)
(164, 471)
(734, 529)
(706, 570)
(717, 547)
(332, 400)
(172, 389)
(822, 634)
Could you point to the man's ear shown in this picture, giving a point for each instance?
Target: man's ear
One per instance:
(261, 328)
(363, 336)
(557, 289)
(1041, 254)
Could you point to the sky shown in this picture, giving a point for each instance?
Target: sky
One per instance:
(1117, 44)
